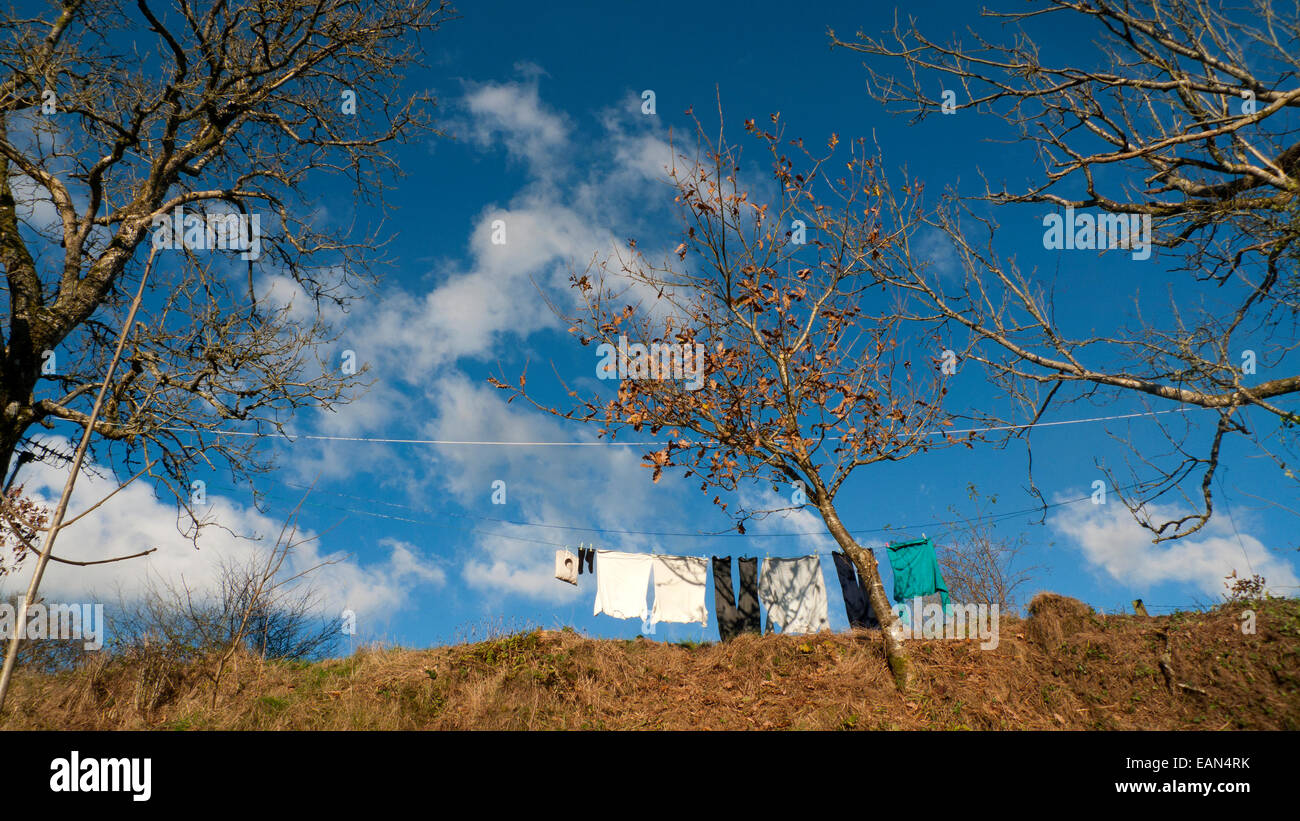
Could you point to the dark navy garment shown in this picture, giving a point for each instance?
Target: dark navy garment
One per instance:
(857, 604)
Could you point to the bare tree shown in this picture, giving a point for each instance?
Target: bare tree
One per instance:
(785, 374)
(283, 622)
(261, 605)
(190, 623)
(199, 130)
(978, 565)
(1187, 119)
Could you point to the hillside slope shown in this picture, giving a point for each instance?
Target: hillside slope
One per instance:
(1063, 668)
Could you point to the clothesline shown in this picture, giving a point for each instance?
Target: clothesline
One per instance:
(791, 589)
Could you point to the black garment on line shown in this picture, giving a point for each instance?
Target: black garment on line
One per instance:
(732, 619)
(857, 604)
(585, 556)
(749, 596)
(724, 599)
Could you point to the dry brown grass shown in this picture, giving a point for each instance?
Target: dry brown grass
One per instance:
(1065, 667)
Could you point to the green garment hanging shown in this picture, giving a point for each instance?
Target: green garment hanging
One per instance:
(916, 571)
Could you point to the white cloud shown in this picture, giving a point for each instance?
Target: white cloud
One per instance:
(1111, 541)
(498, 295)
(513, 113)
(937, 249)
(135, 520)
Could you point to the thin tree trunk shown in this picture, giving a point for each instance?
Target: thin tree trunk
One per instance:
(869, 572)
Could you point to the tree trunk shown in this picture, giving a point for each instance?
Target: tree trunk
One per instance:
(8, 444)
(869, 572)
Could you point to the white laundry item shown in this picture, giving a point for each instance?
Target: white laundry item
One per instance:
(566, 566)
(794, 594)
(622, 581)
(679, 589)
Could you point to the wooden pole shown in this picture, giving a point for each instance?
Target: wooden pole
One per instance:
(20, 626)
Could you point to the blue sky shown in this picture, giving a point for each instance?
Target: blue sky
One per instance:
(543, 104)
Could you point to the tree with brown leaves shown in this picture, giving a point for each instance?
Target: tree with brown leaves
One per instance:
(767, 355)
(21, 520)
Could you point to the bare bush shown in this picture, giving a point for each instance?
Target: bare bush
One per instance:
(262, 605)
(979, 566)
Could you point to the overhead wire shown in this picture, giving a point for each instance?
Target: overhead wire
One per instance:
(293, 437)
